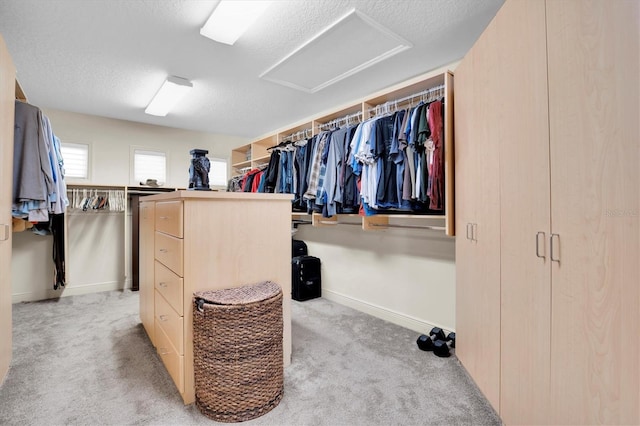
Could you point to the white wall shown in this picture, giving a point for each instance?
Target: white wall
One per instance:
(406, 276)
(111, 140)
(97, 257)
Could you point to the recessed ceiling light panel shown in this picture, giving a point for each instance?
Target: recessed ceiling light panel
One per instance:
(350, 45)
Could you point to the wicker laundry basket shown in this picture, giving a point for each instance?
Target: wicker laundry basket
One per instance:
(237, 351)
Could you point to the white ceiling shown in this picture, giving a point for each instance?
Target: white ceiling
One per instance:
(109, 57)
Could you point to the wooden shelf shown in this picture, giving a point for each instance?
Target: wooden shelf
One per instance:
(20, 93)
(261, 160)
(299, 214)
(252, 155)
(242, 164)
(372, 223)
(398, 96)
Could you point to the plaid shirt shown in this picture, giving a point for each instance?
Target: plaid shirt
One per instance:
(316, 166)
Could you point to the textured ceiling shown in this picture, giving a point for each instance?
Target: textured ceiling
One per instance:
(109, 57)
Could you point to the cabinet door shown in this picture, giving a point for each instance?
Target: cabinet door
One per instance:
(147, 217)
(593, 54)
(477, 217)
(7, 99)
(522, 127)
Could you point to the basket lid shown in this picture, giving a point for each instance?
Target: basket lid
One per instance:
(240, 295)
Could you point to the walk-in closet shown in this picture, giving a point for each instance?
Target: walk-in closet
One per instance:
(342, 212)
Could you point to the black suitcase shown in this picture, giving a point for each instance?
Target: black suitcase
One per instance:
(306, 282)
(298, 248)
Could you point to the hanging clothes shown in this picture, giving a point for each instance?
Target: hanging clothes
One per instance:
(33, 183)
(386, 188)
(234, 184)
(285, 185)
(271, 174)
(57, 230)
(389, 163)
(39, 189)
(316, 167)
(350, 194)
(399, 159)
(249, 178)
(436, 177)
(58, 198)
(301, 162)
(332, 183)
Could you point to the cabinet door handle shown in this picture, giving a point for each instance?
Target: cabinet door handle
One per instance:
(164, 217)
(553, 258)
(163, 250)
(163, 317)
(538, 244)
(469, 232)
(474, 232)
(5, 233)
(162, 284)
(164, 351)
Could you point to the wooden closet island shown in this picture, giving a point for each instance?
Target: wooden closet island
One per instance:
(205, 240)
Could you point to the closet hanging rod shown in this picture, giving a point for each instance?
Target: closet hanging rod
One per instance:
(377, 225)
(336, 121)
(425, 92)
(435, 228)
(297, 136)
(293, 138)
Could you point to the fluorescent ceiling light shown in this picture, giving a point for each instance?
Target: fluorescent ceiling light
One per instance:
(170, 93)
(231, 18)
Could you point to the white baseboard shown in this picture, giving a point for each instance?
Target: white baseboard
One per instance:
(398, 318)
(69, 290)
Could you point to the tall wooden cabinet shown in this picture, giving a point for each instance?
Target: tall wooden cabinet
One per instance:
(523, 147)
(594, 84)
(199, 240)
(551, 93)
(7, 108)
(477, 223)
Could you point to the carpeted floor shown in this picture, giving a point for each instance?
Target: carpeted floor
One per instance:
(86, 360)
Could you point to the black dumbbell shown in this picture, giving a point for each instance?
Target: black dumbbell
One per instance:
(451, 337)
(441, 349)
(437, 342)
(424, 342)
(438, 334)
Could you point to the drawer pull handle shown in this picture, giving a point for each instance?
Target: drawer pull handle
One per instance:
(163, 250)
(164, 217)
(162, 284)
(553, 258)
(164, 317)
(6, 232)
(538, 244)
(164, 351)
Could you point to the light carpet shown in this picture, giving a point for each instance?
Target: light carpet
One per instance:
(86, 360)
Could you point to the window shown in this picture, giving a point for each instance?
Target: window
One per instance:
(76, 160)
(218, 172)
(149, 165)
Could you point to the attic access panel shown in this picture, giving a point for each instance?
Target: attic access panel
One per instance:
(350, 45)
